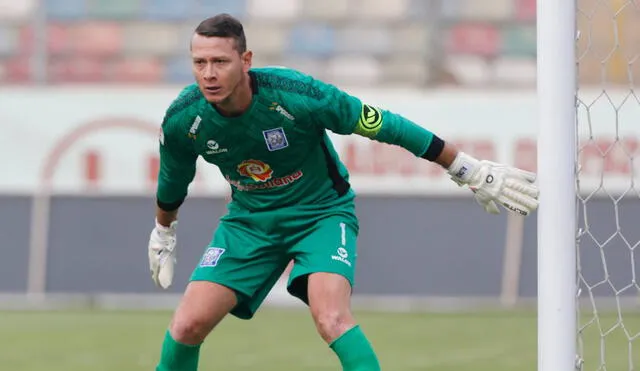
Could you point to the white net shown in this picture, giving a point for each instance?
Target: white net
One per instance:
(608, 188)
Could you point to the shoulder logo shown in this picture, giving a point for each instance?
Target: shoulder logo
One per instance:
(213, 148)
(275, 139)
(161, 136)
(278, 108)
(193, 130)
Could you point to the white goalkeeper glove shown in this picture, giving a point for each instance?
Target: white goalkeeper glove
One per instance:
(162, 253)
(493, 183)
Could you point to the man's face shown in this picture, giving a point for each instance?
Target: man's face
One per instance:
(217, 66)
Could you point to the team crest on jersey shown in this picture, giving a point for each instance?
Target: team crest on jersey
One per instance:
(256, 170)
(275, 138)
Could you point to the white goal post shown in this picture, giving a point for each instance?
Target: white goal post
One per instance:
(556, 87)
(589, 217)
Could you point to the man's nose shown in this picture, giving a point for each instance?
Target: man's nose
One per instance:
(209, 72)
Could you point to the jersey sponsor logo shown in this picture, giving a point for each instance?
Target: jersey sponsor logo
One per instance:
(370, 121)
(261, 173)
(256, 170)
(213, 148)
(211, 256)
(275, 139)
(193, 130)
(278, 108)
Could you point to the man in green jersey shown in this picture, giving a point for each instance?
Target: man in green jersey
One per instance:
(266, 130)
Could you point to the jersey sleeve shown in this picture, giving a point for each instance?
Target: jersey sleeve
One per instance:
(345, 114)
(177, 164)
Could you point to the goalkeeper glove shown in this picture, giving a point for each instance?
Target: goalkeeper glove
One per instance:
(492, 182)
(162, 255)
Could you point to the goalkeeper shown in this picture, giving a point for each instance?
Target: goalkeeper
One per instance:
(265, 129)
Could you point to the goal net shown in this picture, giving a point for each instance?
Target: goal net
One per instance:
(608, 185)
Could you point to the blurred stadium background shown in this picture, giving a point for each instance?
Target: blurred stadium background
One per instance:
(440, 286)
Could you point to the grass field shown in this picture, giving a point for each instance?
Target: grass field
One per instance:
(285, 340)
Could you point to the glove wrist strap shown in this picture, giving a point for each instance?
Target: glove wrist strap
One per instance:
(463, 168)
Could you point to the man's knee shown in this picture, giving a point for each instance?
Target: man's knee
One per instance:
(202, 307)
(332, 322)
(189, 330)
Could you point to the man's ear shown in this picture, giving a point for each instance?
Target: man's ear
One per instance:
(247, 58)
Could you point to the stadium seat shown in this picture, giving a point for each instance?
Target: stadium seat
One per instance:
(494, 10)
(113, 9)
(14, 10)
(423, 9)
(325, 10)
(76, 70)
(311, 39)
(519, 41)
(3, 72)
(517, 71)
(206, 8)
(273, 9)
(405, 70)
(59, 39)
(8, 40)
(84, 36)
(474, 38)
(354, 71)
(65, 9)
(265, 38)
(377, 10)
(26, 40)
(369, 39)
(525, 10)
(17, 70)
(451, 9)
(136, 70)
(142, 38)
(468, 70)
(164, 10)
(413, 38)
(178, 70)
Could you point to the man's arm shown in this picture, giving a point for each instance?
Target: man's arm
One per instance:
(490, 182)
(165, 218)
(177, 170)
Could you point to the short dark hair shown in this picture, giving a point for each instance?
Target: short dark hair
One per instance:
(224, 25)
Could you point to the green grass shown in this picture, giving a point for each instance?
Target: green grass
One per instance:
(285, 340)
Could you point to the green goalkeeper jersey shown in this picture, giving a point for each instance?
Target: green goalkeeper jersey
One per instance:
(277, 153)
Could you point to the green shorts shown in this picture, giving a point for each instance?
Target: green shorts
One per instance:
(251, 250)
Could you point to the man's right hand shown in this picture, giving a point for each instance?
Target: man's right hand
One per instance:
(162, 254)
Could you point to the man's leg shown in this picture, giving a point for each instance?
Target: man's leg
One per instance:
(202, 307)
(322, 276)
(329, 299)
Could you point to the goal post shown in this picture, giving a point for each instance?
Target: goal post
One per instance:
(556, 92)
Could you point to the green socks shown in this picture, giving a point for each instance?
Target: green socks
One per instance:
(352, 348)
(355, 351)
(177, 356)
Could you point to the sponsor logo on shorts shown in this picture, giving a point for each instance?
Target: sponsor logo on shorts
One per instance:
(342, 256)
(211, 257)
